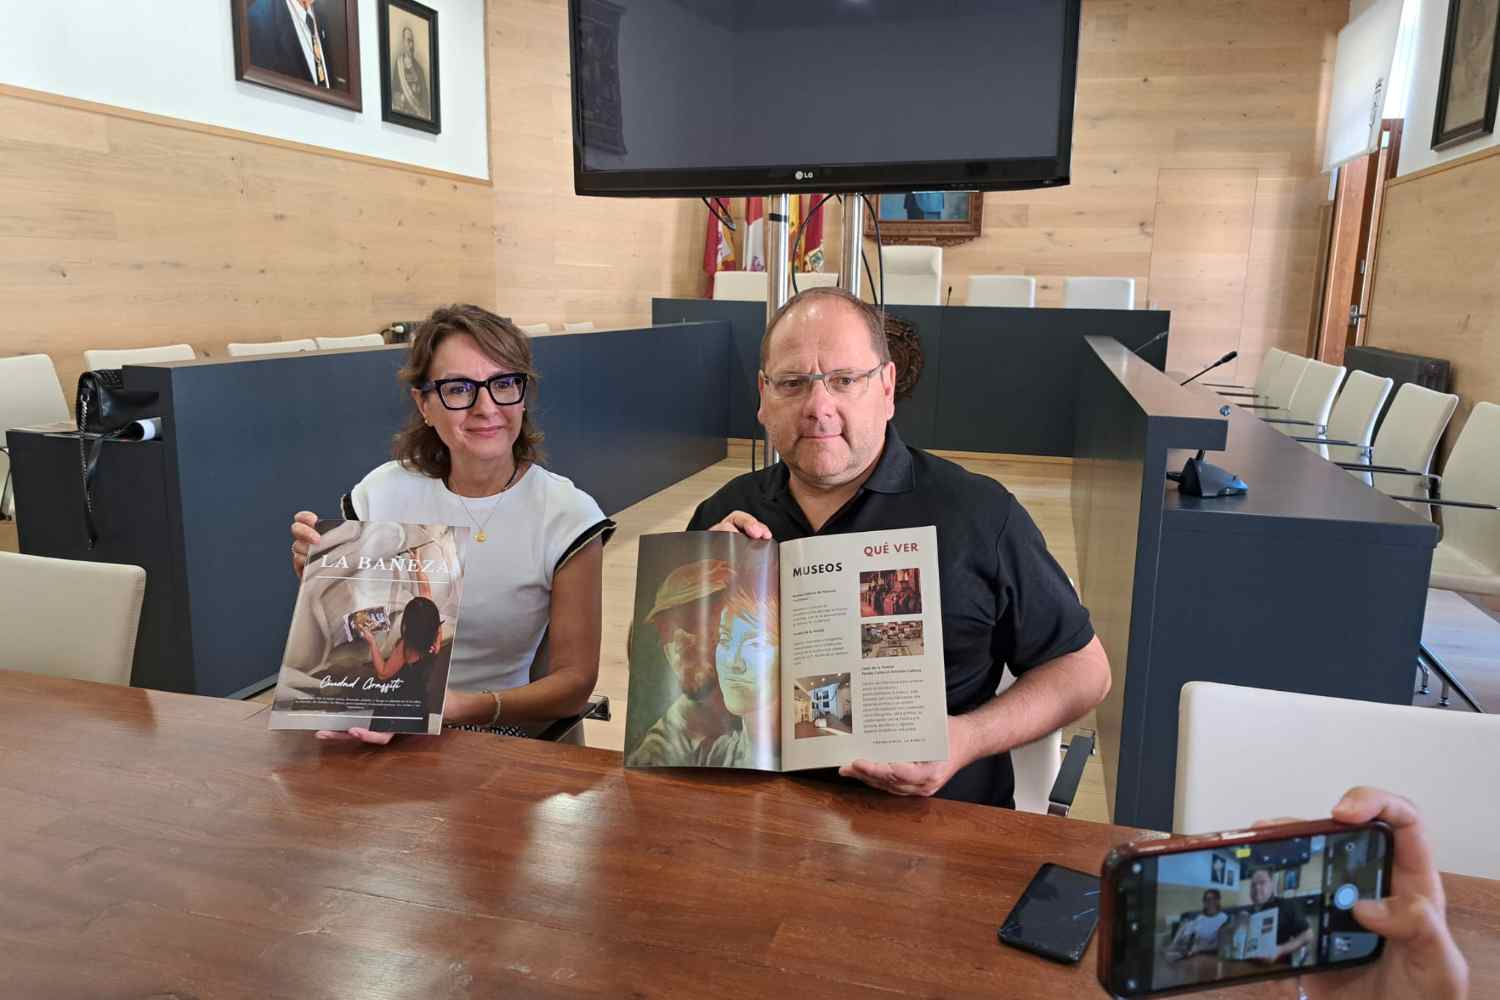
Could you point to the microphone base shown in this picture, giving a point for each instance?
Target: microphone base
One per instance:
(1204, 479)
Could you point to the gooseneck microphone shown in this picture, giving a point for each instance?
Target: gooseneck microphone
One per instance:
(949, 299)
(1222, 361)
(1138, 350)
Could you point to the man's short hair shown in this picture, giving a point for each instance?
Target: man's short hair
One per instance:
(1214, 893)
(874, 319)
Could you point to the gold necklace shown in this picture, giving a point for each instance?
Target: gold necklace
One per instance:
(480, 535)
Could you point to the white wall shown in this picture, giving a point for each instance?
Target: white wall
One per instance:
(129, 54)
(1416, 140)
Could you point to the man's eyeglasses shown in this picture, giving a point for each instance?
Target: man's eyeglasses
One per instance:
(463, 393)
(843, 382)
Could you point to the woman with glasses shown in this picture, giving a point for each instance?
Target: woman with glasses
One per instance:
(533, 569)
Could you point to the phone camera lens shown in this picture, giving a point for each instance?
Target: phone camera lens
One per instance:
(1135, 869)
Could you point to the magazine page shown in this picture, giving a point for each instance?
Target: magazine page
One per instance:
(863, 650)
(373, 629)
(704, 677)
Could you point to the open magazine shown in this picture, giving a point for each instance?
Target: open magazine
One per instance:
(373, 629)
(782, 657)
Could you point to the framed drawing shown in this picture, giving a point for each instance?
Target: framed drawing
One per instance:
(1469, 83)
(932, 218)
(306, 47)
(409, 65)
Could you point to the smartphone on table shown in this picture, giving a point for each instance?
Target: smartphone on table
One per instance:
(1056, 915)
(1191, 913)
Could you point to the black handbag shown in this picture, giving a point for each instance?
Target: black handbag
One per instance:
(104, 409)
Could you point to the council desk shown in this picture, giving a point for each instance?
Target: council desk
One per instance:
(161, 844)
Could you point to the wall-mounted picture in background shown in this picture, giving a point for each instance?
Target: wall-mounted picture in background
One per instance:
(1469, 85)
(306, 47)
(409, 61)
(936, 218)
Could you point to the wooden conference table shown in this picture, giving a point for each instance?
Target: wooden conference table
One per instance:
(160, 844)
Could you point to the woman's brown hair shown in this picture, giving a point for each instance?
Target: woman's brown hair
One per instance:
(417, 446)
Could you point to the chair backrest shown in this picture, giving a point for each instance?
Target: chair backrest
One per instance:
(535, 329)
(741, 286)
(250, 350)
(359, 340)
(1236, 764)
(1036, 764)
(68, 618)
(913, 276)
(1472, 472)
(583, 327)
(816, 279)
(1269, 366)
(1353, 416)
(98, 359)
(1284, 383)
(1313, 398)
(1001, 290)
(29, 394)
(1408, 437)
(1098, 293)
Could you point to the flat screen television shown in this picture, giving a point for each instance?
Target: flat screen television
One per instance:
(675, 98)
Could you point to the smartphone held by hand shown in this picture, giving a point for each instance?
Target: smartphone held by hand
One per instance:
(1192, 913)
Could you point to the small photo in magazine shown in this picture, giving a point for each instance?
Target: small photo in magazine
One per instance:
(357, 623)
(824, 706)
(881, 639)
(889, 592)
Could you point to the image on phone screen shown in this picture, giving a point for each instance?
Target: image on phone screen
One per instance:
(1244, 911)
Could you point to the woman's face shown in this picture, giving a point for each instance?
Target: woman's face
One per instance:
(746, 662)
(483, 435)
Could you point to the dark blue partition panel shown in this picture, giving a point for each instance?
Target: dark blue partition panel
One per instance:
(993, 379)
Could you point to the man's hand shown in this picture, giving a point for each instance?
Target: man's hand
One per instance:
(1421, 959)
(362, 735)
(924, 778)
(743, 523)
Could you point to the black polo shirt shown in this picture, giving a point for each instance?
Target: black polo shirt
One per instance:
(1005, 599)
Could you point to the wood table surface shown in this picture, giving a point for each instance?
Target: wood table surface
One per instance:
(163, 845)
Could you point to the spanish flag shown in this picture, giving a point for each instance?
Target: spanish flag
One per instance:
(718, 247)
(810, 255)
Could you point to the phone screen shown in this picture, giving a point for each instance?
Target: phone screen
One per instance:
(1056, 915)
(1246, 911)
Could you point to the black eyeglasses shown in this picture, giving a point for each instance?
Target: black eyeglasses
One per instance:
(463, 393)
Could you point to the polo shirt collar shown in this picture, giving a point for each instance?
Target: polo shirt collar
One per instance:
(893, 470)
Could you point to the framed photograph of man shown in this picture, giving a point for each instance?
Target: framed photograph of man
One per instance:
(1469, 84)
(933, 218)
(409, 65)
(306, 47)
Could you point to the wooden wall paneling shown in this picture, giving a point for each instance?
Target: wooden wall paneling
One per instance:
(1437, 289)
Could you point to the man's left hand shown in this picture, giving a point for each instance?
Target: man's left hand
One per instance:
(922, 778)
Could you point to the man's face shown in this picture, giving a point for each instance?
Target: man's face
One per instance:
(825, 439)
(1261, 887)
(688, 635)
(409, 42)
(1210, 904)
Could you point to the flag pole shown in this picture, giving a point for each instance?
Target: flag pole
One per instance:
(778, 275)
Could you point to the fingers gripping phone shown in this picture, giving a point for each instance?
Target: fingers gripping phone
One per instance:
(1191, 913)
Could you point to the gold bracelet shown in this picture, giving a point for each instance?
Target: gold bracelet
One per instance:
(495, 718)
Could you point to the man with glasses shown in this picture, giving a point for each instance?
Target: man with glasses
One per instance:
(827, 396)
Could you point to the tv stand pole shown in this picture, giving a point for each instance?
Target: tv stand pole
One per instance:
(853, 243)
(778, 274)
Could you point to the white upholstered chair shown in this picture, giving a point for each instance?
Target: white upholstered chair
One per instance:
(815, 279)
(250, 350)
(359, 340)
(913, 276)
(583, 327)
(1001, 290)
(1098, 293)
(1351, 425)
(68, 618)
(98, 359)
(1269, 365)
(535, 329)
(741, 286)
(1280, 388)
(1046, 779)
(1233, 770)
(1406, 441)
(1307, 412)
(29, 394)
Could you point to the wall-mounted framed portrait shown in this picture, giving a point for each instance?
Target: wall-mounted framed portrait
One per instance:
(409, 65)
(931, 218)
(305, 47)
(1469, 84)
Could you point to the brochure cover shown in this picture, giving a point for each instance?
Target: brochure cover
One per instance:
(806, 654)
(373, 629)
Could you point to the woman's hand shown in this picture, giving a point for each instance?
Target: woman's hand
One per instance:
(355, 734)
(304, 537)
